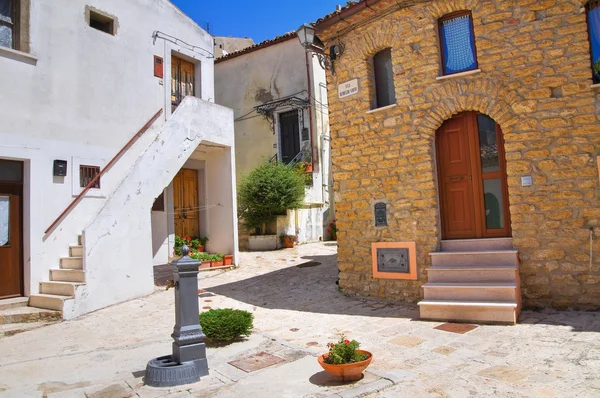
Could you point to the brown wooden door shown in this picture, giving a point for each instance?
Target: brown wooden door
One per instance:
(185, 197)
(472, 178)
(11, 227)
(182, 80)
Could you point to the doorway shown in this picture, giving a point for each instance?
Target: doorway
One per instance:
(182, 81)
(289, 127)
(186, 203)
(11, 229)
(472, 179)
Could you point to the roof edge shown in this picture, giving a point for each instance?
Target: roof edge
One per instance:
(258, 46)
(346, 12)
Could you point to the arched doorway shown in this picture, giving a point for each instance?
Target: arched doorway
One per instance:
(471, 166)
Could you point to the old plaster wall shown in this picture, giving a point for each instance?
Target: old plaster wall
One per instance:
(81, 93)
(535, 82)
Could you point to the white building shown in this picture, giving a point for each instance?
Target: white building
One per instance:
(78, 80)
(279, 96)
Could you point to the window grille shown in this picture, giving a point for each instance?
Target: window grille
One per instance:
(458, 43)
(87, 174)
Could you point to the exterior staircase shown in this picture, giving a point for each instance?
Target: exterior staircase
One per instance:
(17, 317)
(474, 280)
(63, 281)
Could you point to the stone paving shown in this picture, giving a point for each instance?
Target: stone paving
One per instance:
(298, 309)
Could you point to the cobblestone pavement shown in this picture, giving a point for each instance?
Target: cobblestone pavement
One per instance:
(298, 309)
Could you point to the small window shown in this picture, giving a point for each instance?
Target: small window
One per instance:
(384, 79)
(159, 203)
(8, 21)
(593, 17)
(457, 43)
(87, 174)
(102, 22)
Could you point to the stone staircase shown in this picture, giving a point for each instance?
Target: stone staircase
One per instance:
(17, 317)
(63, 281)
(474, 280)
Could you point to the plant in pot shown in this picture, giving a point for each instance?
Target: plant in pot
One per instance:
(263, 194)
(200, 243)
(228, 259)
(288, 240)
(216, 260)
(345, 360)
(180, 242)
(204, 258)
(333, 230)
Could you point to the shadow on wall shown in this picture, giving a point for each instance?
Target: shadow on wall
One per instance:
(309, 287)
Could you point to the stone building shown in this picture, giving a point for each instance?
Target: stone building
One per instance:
(468, 155)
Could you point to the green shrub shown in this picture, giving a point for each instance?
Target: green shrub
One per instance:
(267, 191)
(226, 324)
(344, 352)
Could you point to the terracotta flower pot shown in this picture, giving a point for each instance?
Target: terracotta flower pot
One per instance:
(347, 372)
(200, 248)
(228, 260)
(216, 263)
(288, 242)
(204, 264)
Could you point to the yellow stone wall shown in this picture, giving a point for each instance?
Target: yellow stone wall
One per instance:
(535, 82)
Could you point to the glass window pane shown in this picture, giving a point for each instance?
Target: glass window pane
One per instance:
(6, 39)
(4, 220)
(594, 28)
(488, 144)
(11, 171)
(384, 78)
(6, 10)
(457, 44)
(494, 203)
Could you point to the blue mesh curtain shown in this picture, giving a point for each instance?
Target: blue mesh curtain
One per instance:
(6, 28)
(594, 27)
(458, 45)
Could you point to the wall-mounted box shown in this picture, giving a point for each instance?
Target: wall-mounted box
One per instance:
(60, 168)
(158, 67)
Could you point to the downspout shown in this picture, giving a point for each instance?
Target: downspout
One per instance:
(310, 101)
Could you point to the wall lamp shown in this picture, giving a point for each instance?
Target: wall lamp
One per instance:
(310, 42)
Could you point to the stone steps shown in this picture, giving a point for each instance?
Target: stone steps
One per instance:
(71, 263)
(59, 288)
(28, 315)
(67, 275)
(11, 303)
(48, 301)
(15, 328)
(76, 251)
(474, 280)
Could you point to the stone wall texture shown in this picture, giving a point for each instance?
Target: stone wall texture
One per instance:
(535, 81)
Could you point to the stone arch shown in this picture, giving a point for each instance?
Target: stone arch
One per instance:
(440, 8)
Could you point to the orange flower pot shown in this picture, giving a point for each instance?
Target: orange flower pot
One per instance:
(200, 248)
(216, 263)
(228, 259)
(288, 242)
(347, 372)
(204, 264)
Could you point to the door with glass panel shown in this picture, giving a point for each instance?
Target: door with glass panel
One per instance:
(11, 227)
(472, 178)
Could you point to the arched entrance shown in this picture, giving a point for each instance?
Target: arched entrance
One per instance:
(472, 183)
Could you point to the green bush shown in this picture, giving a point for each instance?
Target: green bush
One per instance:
(344, 352)
(226, 324)
(267, 191)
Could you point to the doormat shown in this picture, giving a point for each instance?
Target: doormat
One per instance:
(256, 362)
(308, 264)
(460, 328)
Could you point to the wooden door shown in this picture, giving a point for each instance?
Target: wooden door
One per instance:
(182, 80)
(290, 135)
(11, 229)
(185, 197)
(472, 178)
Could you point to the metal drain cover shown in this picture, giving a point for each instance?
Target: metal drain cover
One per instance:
(308, 264)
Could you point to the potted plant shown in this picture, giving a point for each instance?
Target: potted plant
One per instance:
(228, 259)
(345, 360)
(200, 243)
(265, 193)
(288, 240)
(333, 230)
(204, 258)
(216, 260)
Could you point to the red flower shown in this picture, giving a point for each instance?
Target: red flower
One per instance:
(346, 341)
(329, 230)
(334, 221)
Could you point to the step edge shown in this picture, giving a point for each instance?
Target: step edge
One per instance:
(500, 304)
(453, 253)
(51, 296)
(474, 240)
(473, 268)
(482, 285)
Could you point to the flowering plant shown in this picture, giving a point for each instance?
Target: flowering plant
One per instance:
(333, 228)
(344, 352)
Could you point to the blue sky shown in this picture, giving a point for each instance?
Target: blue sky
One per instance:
(259, 20)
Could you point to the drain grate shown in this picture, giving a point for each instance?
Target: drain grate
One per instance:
(308, 264)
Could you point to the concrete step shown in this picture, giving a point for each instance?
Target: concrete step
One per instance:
(59, 288)
(471, 291)
(489, 274)
(76, 251)
(48, 301)
(15, 328)
(80, 240)
(67, 275)
(71, 263)
(16, 302)
(470, 311)
(467, 245)
(475, 259)
(28, 315)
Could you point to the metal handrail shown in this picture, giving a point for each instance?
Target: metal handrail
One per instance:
(295, 160)
(273, 159)
(109, 164)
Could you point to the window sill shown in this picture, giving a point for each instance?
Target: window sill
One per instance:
(595, 86)
(461, 74)
(17, 55)
(383, 108)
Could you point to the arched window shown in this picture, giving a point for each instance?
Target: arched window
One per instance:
(383, 72)
(593, 18)
(457, 42)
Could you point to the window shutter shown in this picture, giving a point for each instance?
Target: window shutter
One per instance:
(384, 78)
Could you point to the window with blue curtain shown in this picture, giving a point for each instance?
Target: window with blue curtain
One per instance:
(458, 43)
(593, 16)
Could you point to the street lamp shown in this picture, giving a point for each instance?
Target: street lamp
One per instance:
(310, 42)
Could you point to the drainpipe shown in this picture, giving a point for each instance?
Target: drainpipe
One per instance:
(310, 122)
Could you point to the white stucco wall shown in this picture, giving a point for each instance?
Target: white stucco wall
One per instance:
(272, 73)
(85, 94)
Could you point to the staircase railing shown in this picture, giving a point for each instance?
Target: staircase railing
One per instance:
(104, 170)
(295, 160)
